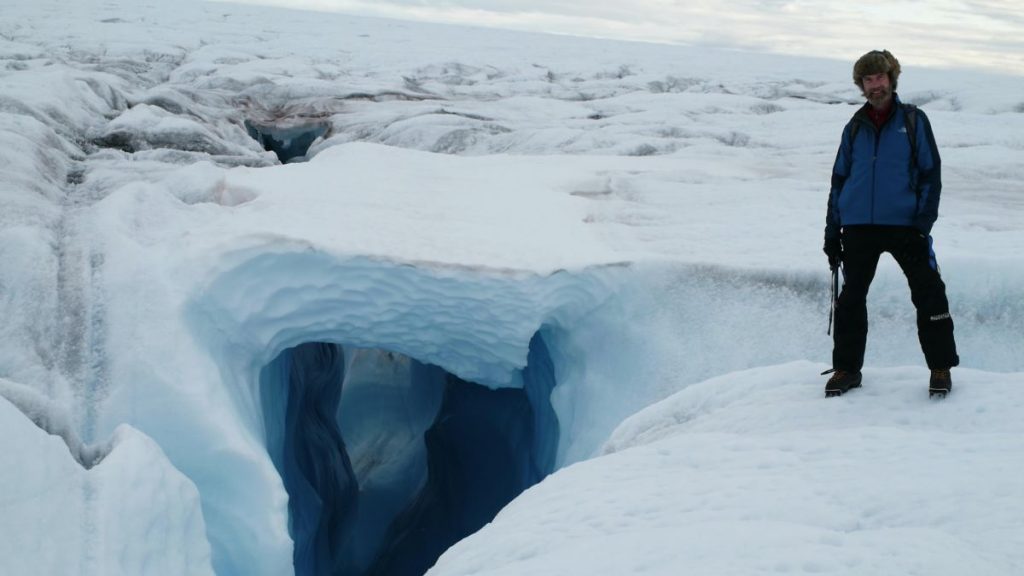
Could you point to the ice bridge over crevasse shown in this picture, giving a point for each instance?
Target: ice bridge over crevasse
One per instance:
(401, 406)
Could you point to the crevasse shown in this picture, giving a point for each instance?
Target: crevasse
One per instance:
(413, 492)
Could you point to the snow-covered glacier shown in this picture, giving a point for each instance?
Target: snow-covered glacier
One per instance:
(287, 292)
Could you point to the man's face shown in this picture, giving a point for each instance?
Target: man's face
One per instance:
(877, 89)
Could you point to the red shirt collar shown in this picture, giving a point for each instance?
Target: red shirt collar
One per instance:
(878, 117)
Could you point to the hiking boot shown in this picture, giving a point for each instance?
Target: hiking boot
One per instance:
(940, 383)
(841, 382)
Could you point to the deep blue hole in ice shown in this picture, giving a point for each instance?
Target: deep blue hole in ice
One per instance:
(287, 143)
(482, 449)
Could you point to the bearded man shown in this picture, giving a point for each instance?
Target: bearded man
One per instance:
(885, 198)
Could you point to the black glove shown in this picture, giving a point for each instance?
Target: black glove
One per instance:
(834, 251)
(916, 247)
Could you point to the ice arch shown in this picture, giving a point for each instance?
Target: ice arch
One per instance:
(469, 337)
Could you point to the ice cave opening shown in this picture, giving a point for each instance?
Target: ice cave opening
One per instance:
(291, 143)
(388, 461)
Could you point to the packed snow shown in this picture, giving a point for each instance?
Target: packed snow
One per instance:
(753, 473)
(652, 214)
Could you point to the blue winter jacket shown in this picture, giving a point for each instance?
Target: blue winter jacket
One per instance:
(872, 181)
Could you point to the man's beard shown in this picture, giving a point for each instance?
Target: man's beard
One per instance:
(879, 96)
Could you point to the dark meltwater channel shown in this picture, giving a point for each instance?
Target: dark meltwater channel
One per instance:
(289, 144)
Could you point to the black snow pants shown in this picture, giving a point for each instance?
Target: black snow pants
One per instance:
(862, 247)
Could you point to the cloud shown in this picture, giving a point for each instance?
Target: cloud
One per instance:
(987, 34)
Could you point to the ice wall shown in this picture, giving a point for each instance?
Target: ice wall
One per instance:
(479, 459)
(132, 514)
(310, 454)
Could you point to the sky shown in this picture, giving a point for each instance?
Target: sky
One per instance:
(976, 34)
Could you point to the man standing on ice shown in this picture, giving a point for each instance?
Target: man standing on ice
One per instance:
(884, 198)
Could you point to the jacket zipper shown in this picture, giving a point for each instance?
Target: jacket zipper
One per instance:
(874, 170)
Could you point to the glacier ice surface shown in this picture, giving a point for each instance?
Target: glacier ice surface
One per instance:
(151, 288)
